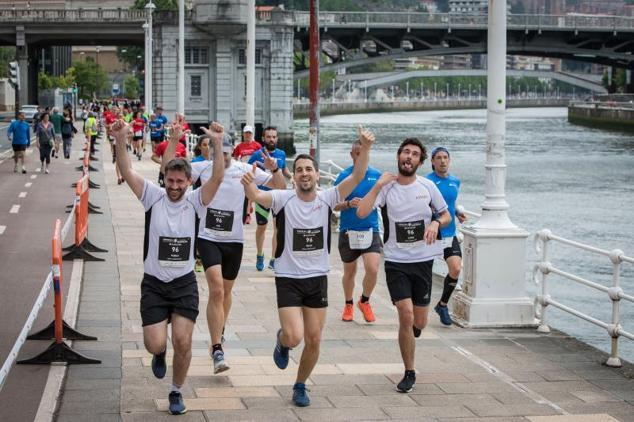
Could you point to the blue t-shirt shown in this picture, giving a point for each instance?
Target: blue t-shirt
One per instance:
(448, 187)
(349, 219)
(163, 119)
(258, 157)
(155, 131)
(197, 159)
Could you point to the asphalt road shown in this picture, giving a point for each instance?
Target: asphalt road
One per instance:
(25, 259)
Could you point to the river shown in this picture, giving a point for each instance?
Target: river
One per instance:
(578, 182)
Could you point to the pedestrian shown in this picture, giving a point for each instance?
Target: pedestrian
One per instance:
(138, 127)
(169, 292)
(243, 152)
(262, 214)
(302, 257)
(45, 135)
(68, 130)
(91, 129)
(449, 186)
(358, 238)
(157, 157)
(57, 119)
(413, 211)
(19, 134)
(156, 131)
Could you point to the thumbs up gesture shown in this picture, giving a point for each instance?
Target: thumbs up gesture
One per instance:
(249, 176)
(270, 163)
(366, 137)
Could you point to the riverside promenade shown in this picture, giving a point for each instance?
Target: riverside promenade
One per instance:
(463, 375)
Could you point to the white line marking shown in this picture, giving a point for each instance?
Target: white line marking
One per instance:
(33, 176)
(2, 229)
(15, 209)
(28, 184)
(22, 195)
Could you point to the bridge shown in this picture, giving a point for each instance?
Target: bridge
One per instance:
(381, 79)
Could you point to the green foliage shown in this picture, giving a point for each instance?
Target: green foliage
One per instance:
(46, 81)
(130, 55)
(131, 87)
(380, 66)
(91, 78)
(7, 54)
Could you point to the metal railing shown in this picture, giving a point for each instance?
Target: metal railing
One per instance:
(615, 292)
(72, 15)
(407, 19)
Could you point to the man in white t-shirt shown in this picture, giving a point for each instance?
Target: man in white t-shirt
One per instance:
(220, 235)
(413, 210)
(302, 256)
(169, 292)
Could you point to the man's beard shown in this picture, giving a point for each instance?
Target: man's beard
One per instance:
(406, 172)
(270, 147)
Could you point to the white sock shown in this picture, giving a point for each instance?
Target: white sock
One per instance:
(176, 388)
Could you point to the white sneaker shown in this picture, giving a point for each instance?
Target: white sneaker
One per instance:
(46, 171)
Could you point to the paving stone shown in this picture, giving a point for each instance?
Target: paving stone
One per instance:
(207, 403)
(280, 403)
(525, 409)
(190, 416)
(256, 415)
(431, 411)
(573, 418)
(382, 389)
(363, 414)
(431, 400)
(389, 400)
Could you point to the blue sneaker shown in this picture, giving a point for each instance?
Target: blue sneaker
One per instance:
(259, 263)
(280, 354)
(300, 397)
(443, 313)
(159, 366)
(272, 264)
(177, 405)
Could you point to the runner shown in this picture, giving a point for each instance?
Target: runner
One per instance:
(68, 131)
(243, 152)
(138, 127)
(220, 238)
(19, 134)
(413, 210)
(91, 129)
(157, 157)
(57, 120)
(448, 185)
(169, 293)
(156, 131)
(45, 135)
(302, 255)
(262, 214)
(358, 238)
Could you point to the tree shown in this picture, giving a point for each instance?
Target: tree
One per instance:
(7, 54)
(133, 55)
(90, 77)
(131, 87)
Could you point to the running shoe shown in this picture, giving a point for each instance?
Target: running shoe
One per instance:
(272, 264)
(15, 168)
(417, 331)
(199, 266)
(443, 313)
(46, 171)
(280, 353)
(177, 405)
(406, 384)
(300, 397)
(159, 366)
(259, 263)
(366, 310)
(348, 312)
(23, 170)
(219, 362)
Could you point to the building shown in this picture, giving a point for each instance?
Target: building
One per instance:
(478, 7)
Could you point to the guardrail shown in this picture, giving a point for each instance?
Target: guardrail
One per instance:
(615, 292)
(72, 15)
(609, 104)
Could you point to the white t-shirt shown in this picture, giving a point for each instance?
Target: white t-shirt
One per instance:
(222, 221)
(171, 232)
(409, 211)
(306, 228)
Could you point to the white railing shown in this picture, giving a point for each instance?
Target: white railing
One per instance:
(190, 143)
(615, 292)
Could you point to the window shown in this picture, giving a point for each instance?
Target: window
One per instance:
(242, 56)
(196, 55)
(195, 86)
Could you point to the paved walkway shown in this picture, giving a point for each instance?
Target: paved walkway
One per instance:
(479, 375)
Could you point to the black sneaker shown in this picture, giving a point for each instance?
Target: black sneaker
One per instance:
(407, 383)
(177, 405)
(417, 331)
(159, 366)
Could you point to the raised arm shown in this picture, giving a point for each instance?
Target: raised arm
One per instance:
(210, 187)
(119, 131)
(175, 134)
(366, 204)
(277, 181)
(366, 138)
(252, 192)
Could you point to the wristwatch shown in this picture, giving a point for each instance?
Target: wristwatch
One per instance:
(276, 169)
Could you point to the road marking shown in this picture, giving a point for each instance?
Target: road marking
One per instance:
(22, 195)
(28, 184)
(33, 176)
(2, 229)
(14, 209)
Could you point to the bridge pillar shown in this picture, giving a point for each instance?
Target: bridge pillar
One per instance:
(21, 55)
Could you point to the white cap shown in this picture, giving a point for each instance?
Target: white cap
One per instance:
(247, 128)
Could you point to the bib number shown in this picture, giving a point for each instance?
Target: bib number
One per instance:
(409, 234)
(138, 133)
(447, 242)
(219, 222)
(360, 239)
(308, 242)
(174, 251)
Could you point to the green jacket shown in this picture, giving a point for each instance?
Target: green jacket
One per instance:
(57, 119)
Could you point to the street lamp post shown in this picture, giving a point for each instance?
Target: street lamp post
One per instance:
(180, 81)
(97, 49)
(149, 57)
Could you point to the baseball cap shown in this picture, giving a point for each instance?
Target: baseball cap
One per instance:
(227, 144)
(247, 128)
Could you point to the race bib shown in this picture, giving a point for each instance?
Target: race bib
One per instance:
(219, 222)
(447, 242)
(174, 251)
(409, 234)
(308, 242)
(138, 133)
(360, 239)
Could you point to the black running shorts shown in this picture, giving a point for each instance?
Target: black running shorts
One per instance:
(409, 281)
(228, 255)
(18, 148)
(351, 255)
(454, 250)
(309, 292)
(160, 300)
(261, 215)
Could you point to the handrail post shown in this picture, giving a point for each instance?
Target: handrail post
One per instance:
(543, 325)
(614, 361)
